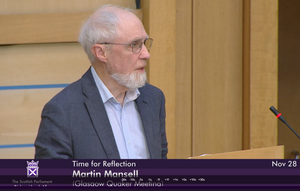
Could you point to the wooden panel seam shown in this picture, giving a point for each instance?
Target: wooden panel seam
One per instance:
(246, 74)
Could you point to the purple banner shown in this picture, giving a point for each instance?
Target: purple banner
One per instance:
(134, 174)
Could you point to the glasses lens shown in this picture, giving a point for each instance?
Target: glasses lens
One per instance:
(137, 46)
(148, 43)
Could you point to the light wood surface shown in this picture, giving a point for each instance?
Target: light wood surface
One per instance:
(160, 23)
(217, 76)
(184, 77)
(20, 114)
(17, 153)
(41, 28)
(9, 7)
(31, 64)
(275, 152)
(263, 72)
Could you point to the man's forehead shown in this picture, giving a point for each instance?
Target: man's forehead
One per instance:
(132, 29)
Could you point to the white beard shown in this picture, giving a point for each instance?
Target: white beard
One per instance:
(131, 81)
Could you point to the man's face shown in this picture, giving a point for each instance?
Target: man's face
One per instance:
(123, 65)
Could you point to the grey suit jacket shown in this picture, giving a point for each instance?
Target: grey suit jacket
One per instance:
(75, 123)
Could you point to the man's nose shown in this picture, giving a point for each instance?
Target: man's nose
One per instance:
(144, 53)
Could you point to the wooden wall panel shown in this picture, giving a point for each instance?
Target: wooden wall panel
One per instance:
(263, 72)
(20, 114)
(41, 28)
(184, 78)
(217, 76)
(160, 23)
(42, 64)
(288, 75)
(56, 6)
(17, 153)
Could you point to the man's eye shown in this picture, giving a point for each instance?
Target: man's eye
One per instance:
(135, 44)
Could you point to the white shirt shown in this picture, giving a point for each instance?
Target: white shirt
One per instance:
(125, 121)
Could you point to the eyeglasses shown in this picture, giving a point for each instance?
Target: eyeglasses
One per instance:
(136, 45)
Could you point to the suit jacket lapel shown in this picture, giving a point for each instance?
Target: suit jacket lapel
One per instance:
(99, 116)
(143, 104)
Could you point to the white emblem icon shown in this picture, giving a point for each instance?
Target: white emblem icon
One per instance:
(32, 169)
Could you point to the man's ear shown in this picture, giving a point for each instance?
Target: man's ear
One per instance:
(99, 52)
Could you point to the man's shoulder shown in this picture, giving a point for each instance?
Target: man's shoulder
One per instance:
(151, 90)
(69, 93)
(73, 92)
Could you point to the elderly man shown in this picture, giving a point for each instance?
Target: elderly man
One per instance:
(111, 112)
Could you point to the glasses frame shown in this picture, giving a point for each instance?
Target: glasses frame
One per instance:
(132, 44)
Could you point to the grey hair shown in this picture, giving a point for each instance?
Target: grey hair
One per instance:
(100, 27)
